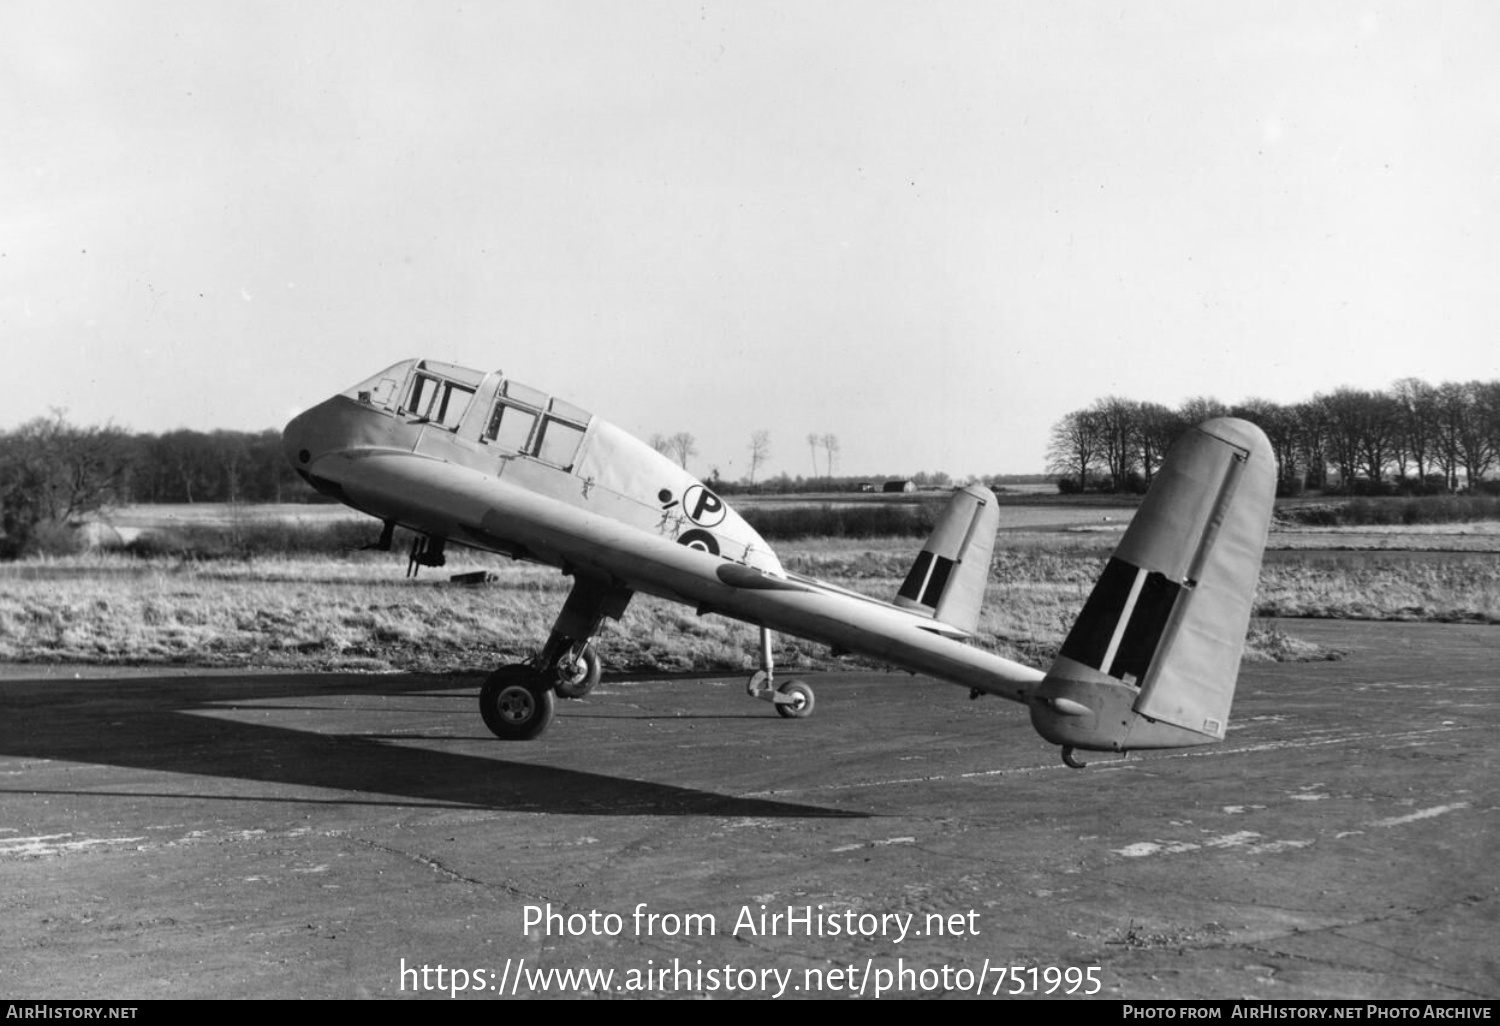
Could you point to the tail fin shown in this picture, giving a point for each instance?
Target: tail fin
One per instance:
(1152, 660)
(947, 580)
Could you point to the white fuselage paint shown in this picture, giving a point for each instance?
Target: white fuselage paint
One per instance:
(580, 525)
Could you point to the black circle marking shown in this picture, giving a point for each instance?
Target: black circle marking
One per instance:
(700, 540)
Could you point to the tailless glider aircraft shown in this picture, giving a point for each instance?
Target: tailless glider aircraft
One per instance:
(482, 460)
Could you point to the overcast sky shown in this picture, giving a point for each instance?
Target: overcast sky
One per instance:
(931, 229)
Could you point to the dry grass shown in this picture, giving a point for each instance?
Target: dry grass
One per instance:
(1481, 536)
(1372, 586)
(358, 611)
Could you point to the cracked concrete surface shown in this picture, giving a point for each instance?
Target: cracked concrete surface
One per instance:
(184, 833)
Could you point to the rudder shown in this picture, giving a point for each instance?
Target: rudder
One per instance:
(948, 579)
(1152, 660)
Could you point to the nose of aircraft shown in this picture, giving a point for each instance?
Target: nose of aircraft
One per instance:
(295, 442)
(309, 436)
(312, 434)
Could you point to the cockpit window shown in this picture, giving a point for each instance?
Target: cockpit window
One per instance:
(423, 394)
(510, 426)
(527, 395)
(528, 421)
(455, 403)
(384, 389)
(381, 394)
(559, 442)
(438, 401)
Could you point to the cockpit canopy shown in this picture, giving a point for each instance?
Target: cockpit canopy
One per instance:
(435, 390)
(516, 418)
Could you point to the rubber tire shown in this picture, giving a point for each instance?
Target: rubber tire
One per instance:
(517, 703)
(582, 681)
(798, 710)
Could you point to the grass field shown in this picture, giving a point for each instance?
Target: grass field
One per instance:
(358, 611)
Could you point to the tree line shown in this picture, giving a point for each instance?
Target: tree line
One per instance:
(1414, 438)
(52, 472)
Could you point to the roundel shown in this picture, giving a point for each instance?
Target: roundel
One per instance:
(700, 540)
(703, 507)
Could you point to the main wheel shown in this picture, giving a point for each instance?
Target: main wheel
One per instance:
(516, 703)
(801, 705)
(578, 678)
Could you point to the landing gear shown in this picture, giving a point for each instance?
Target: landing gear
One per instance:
(569, 658)
(577, 675)
(793, 699)
(517, 702)
(798, 702)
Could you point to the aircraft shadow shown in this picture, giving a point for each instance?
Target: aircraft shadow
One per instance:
(178, 725)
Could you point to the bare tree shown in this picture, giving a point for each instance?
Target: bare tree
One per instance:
(1073, 449)
(1281, 428)
(1365, 440)
(1200, 408)
(1358, 435)
(187, 458)
(234, 458)
(683, 446)
(1381, 444)
(661, 444)
(812, 444)
(1156, 428)
(1418, 403)
(830, 444)
(1473, 411)
(1115, 419)
(1487, 395)
(1312, 444)
(760, 450)
(52, 472)
(1342, 412)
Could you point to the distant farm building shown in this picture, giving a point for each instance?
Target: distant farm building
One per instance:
(899, 486)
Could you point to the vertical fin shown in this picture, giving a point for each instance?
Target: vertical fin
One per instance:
(1152, 660)
(948, 579)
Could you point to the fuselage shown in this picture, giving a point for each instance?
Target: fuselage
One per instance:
(484, 461)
